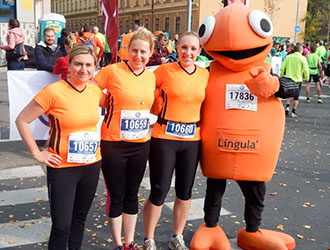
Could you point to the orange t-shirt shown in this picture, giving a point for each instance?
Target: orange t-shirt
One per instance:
(71, 111)
(183, 94)
(129, 99)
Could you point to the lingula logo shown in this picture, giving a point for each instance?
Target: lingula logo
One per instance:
(238, 144)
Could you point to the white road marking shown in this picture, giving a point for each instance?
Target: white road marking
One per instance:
(23, 196)
(24, 232)
(21, 172)
(196, 209)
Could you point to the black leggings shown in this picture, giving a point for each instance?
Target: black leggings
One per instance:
(123, 166)
(254, 193)
(165, 156)
(71, 192)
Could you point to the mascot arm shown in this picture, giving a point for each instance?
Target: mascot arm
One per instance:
(262, 83)
(157, 105)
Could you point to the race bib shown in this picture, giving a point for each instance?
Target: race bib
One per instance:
(82, 147)
(239, 97)
(134, 124)
(182, 130)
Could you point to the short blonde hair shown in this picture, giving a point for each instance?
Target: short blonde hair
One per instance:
(70, 41)
(81, 49)
(144, 35)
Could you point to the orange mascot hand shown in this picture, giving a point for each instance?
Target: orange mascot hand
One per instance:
(158, 102)
(262, 83)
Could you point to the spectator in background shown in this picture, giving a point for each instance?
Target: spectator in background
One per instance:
(14, 37)
(89, 39)
(47, 52)
(175, 39)
(307, 49)
(160, 51)
(107, 56)
(61, 66)
(123, 49)
(99, 35)
(275, 51)
(60, 40)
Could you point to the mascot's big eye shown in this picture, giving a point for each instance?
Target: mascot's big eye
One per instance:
(260, 23)
(206, 29)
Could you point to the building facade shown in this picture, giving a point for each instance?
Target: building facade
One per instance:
(171, 15)
(27, 12)
(78, 12)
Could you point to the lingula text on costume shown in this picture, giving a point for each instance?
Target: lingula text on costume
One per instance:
(238, 145)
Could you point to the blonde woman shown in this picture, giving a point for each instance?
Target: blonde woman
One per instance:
(125, 134)
(61, 66)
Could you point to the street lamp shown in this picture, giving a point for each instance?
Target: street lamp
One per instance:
(295, 33)
(189, 15)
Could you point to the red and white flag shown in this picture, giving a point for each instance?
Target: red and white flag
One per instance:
(109, 10)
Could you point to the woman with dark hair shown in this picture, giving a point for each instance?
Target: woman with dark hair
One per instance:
(14, 37)
(60, 40)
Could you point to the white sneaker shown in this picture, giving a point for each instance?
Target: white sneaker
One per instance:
(149, 245)
(294, 115)
(177, 243)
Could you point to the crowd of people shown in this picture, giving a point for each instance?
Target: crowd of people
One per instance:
(174, 92)
(303, 62)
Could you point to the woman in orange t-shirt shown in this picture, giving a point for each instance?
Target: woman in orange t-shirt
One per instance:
(175, 139)
(73, 156)
(125, 134)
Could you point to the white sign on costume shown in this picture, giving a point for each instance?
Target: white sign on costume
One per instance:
(22, 87)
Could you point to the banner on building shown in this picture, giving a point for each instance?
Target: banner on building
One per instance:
(109, 9)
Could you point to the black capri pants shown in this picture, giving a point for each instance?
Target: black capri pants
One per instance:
(71, 192)
(123, 166)
(165, 156)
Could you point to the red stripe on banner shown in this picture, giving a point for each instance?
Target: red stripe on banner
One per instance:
(109, 10)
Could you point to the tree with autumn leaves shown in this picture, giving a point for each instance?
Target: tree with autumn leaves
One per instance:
(318, 20)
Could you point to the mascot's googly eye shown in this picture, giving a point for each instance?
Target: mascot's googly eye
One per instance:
(206, 29)
(260, 23)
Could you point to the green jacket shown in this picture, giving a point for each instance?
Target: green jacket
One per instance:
(295, 67)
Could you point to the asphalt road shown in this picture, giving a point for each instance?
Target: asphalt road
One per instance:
(297, 200)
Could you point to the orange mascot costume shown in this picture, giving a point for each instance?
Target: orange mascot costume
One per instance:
(242, 125)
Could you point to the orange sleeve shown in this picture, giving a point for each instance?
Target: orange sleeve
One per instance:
(159, 73)
(78, 40)
(103, 77)
(100, 45)
(45, 98)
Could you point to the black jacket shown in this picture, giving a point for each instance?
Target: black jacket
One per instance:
(45, 57)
